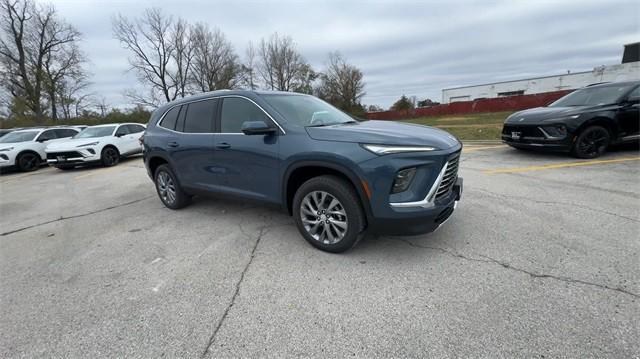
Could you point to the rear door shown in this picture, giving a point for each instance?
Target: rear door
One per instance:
(191, 145)
(135, 132)
(245, 165)
(123, 139)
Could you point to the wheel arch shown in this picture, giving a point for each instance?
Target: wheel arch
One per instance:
(28, 150)
(156, 161)
(299, 172)
(602, 121)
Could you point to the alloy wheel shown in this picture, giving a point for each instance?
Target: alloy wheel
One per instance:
(323, 217)
(110, 156)
(166, 187)
(594, 142)
(28, 162)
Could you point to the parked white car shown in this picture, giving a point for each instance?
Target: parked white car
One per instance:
(25, 149)
(104, 144)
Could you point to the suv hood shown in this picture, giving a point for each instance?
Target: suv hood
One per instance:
(535, 115)
(385, 133)
(72, 143)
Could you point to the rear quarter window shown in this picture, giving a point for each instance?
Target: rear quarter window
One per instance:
(170, 118)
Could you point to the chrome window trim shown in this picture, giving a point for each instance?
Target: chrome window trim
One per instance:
(428, 200)
(216, 133)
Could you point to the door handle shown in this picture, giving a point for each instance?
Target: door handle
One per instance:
(173, 144)
(223, 145)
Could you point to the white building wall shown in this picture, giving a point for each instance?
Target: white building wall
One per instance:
(612, 73)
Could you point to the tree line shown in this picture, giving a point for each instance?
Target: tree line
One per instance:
(44, 78)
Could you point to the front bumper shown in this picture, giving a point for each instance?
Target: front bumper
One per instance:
(535, 137)
(72, 156)
(7, 159)
(420, 220)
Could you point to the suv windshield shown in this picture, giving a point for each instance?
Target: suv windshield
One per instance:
(307, 110)
(101, 131)
(19, 136)
(592, 96)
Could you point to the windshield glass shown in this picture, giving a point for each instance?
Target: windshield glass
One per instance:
(90, 132)
(307, 110)
(591, 96)
(19, 136)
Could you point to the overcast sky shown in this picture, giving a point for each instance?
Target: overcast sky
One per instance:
(413, 48)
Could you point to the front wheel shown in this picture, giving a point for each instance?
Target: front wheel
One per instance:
(591, 142)
(109, 156)
(28, 162)
(328, 214)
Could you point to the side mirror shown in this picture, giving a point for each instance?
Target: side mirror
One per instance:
(257, 128)
(119, 134)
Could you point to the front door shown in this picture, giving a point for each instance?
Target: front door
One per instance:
(629, 116)
(247, 165)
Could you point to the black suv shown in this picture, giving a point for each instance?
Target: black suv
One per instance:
(337, 176)
(584, 122)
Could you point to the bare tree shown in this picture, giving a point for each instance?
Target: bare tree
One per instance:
(64, 77)
(215, 64)
(31, 36)
(160, 54)
(281, 66)
(249, 75)
(341, 84)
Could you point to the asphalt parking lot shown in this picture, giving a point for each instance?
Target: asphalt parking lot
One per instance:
(541, 259)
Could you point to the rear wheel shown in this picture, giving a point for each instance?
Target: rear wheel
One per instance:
(168, 188)
(109, 156)
(591, 142)
(28, 162)
(328, 214)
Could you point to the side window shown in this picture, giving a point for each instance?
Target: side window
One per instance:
(135, 128)
(236, 111)
(64, 133)
(170, 118)
(122, 130)
(47, 135)
(199, 117)
(635, 94)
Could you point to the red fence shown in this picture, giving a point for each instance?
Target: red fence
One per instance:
(512, 103)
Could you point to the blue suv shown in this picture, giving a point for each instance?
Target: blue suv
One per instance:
(337, 176)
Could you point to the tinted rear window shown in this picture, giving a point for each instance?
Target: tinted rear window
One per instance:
(169, 120)
(199, 117)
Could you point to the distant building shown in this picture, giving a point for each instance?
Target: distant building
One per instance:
(629, 69)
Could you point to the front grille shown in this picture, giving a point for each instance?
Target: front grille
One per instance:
(449, 178)
(524, 131)
(69, 154)
(446, 213)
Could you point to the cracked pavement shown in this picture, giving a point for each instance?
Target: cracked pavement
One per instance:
(531, 264)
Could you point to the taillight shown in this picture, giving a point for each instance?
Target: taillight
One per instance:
(141, 140)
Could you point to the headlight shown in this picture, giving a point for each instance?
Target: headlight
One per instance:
(6, 149)
(572, 117)
(88, 144)
(403, 180)
(383, 150)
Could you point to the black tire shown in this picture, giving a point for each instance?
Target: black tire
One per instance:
(28, 162)
(592, 142)
(109, 156)
(348, 203)
(168, 188)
